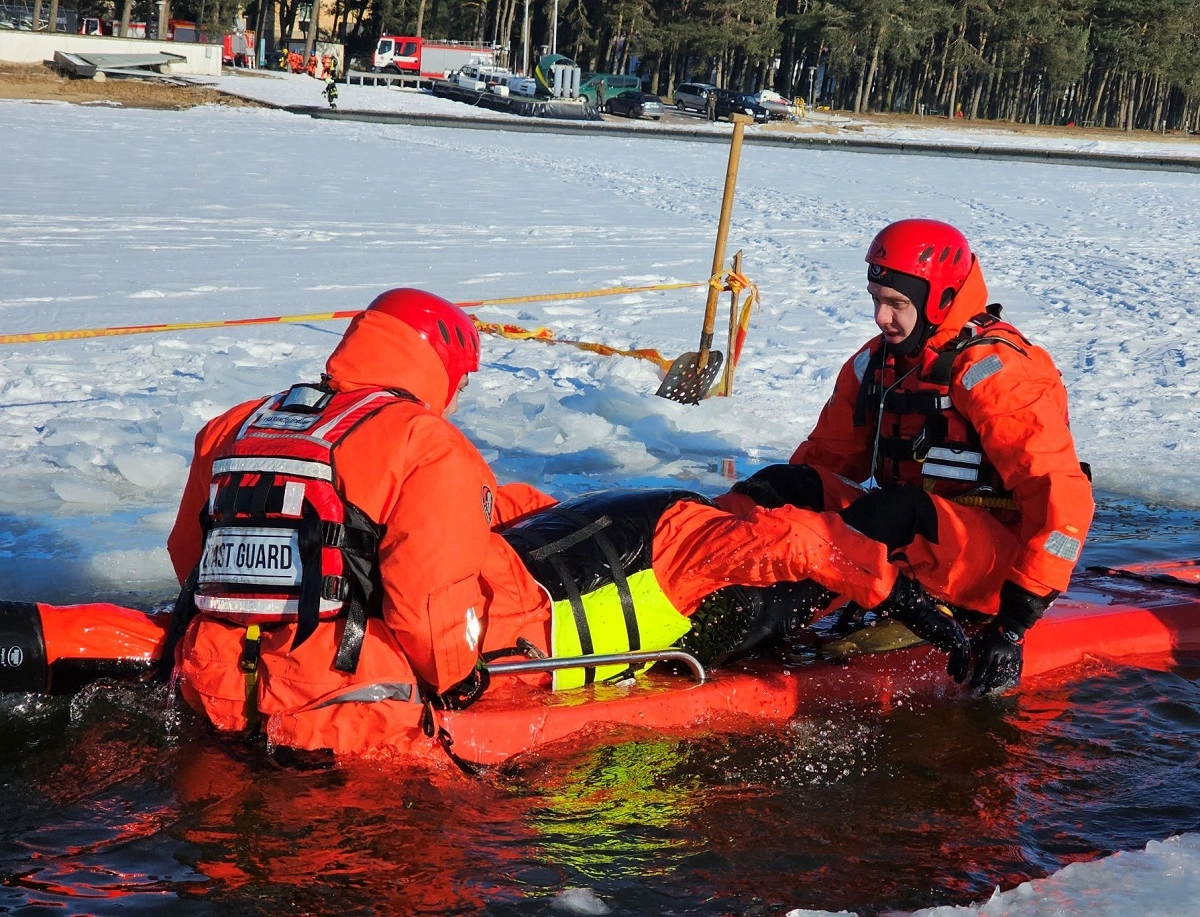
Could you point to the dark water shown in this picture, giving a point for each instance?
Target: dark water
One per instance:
(114, 803)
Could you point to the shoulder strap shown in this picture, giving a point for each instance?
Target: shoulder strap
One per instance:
(974, 333)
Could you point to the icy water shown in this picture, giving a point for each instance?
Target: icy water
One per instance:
(113, 803)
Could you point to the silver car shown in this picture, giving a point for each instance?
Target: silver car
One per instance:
(693, 96)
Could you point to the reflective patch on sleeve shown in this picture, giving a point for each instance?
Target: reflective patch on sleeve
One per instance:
(860, 363)
(984, 369)
(1062, 545)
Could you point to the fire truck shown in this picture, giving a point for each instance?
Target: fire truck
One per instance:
(430, 59)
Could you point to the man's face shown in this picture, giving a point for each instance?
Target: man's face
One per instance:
(453, 405)
(895, 313)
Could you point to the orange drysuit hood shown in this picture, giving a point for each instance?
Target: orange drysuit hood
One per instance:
(970, 301)
(379, 351)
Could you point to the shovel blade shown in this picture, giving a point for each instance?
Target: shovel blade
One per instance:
(686, 382)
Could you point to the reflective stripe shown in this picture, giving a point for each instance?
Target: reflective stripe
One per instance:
(984, 369)
(952, 472)
(298, 467)
(252, 607)
(321, 432)
(952, 464)
(373, 694)
(946, 454)
(1060, 544)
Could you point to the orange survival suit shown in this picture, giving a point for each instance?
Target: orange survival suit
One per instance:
(978, 419)
(434, 500)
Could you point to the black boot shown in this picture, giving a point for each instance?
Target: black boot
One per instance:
(738, 620)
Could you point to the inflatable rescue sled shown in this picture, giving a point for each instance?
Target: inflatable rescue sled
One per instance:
(1150, 611)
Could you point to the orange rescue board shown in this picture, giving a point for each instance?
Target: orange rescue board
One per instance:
(1148, 610)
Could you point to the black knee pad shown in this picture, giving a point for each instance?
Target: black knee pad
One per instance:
(22, 648)
(783, 485)
(894, 516)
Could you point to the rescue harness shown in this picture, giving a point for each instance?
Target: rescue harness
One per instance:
(281, 544)
(946, 446)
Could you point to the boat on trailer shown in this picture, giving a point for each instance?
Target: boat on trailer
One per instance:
(1144, 613)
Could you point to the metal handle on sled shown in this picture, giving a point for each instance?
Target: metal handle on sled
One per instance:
(590, 662)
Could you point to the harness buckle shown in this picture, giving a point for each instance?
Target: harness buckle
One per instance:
(335, 588)
(248, 662)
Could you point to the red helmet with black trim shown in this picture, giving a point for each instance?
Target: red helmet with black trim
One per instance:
(446, 328)
(930, 250)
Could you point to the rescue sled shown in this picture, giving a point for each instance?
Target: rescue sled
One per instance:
(1149, 611)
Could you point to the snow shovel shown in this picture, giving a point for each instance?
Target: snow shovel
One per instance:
(691, 376)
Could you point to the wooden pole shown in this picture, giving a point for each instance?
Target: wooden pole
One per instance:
(734, 296)
(710, 307)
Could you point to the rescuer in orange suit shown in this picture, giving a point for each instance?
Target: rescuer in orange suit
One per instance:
(348, 559)
(958, 426)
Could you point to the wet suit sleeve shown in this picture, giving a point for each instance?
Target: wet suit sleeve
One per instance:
(186, 540)
(422, 479)
(835, 443)
(1018, 405)
(515, 501)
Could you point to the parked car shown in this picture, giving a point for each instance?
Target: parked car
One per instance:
(730, 103)
(693, 96)
(634, 104)
(613, 84)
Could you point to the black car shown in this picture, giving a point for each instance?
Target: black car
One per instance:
(740, 103)
(634, 104)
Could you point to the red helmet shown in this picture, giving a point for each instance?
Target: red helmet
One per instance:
(446, 327)
(933, 251)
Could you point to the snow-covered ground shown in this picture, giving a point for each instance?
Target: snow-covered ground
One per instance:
(117, 217)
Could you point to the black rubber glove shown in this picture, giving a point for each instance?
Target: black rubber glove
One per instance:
(917, 610)
(466, 692)
(783, 485)
(998, 647)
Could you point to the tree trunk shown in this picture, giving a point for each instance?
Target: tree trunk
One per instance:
(864, 92)
(420, 17)
(125, 10)
(52, 19)
(310, 37)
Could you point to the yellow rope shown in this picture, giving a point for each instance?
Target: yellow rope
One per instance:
(74, 334)
(726, 280)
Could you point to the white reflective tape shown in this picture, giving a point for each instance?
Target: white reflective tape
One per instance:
(247, 607)
(984, 369)
(474, 629)
(963, 457)
(293, 498)
(953, 472)
(273, 608)
(322, 432)
(297, 467)
(1062, 545)
(253, 555)
(212, 498)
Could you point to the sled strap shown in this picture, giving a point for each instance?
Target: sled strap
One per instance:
(590, 528)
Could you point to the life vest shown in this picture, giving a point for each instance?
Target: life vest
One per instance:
(593, 555)
(922, 437)
(281, 544)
